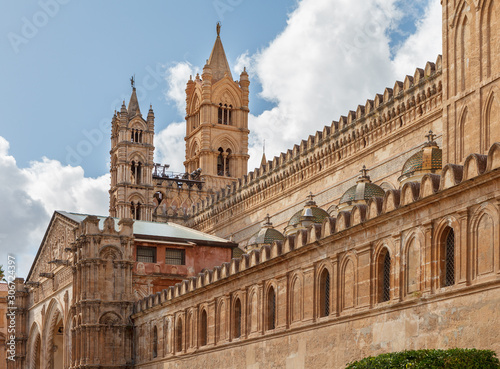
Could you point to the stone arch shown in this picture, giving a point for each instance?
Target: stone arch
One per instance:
(447, 228)
(384, 271)
(179, 333)
(491, 114)
(34, 347)
(110, 252)
(221, 88)
(484, 233)
(203, 327)
(237, 316)
(189, 330)
(348, 281)
(253, 310)
(225, 142)
(221, 321)
(466, 145)
(53, 332)
(412, 263)
(489, 41)
(463, 45)
(324, 281)
(270, 305)
(296, 297)
(195, 102)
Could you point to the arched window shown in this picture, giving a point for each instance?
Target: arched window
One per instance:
(178, 336)
(203, 328)
(448, 259)
(384, 276)
(271, 309)
(324, 293)
(237, 319)
(136, 135)
(227, 172)
(155, 342)
(135, 210)
(224, 114)
(136, 170)
(220, 162)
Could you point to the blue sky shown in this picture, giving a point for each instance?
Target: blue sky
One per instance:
(69, 74)
(65, 66)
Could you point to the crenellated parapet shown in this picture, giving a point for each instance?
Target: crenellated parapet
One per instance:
(452, 179)
(398, 110)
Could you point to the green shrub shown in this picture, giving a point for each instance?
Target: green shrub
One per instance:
(427, 359)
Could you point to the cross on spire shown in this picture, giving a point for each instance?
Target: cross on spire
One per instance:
(268, 221)
(218, 28)
(364, 171)
(132, 81)
(431, 136)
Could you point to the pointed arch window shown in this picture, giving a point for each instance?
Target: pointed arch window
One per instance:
(136, 135)
(384, 277)
(271, 309)
(135, 210)
(225, 114)
(448, 260)
(220, 162)
(136, 171)
(204, 328)
(155, 342)
(237, 319)
(178, 336)
(324, 293)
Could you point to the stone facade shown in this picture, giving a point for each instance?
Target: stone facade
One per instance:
(407, 257)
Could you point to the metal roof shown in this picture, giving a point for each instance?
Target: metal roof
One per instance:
(156, 229)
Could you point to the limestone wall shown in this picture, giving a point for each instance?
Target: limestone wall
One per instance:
(319, 298)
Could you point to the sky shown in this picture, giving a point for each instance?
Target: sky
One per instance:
(65, 67)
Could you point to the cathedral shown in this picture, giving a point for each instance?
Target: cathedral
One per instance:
(380, 233)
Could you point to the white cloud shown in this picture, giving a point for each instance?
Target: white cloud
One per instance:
(424, 45)
(30, 195)
(170, 146)
(331, 57)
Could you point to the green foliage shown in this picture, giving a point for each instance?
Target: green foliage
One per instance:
(2, 274)
(431, 359)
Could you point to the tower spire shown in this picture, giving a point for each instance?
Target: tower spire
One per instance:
(218, 61)
(133, 105)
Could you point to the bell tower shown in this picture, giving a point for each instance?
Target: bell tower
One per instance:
(217, 121)
(131, 193)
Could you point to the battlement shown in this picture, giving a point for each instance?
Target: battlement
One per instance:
(452, 175)
(407, 103)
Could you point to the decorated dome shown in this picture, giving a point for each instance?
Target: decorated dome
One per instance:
(363, 190)
(266, 236)
(302, 219)
(318, 215)
(427, 160)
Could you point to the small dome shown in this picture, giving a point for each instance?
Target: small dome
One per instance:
(266, 236)
(318, 215)
(364, 189)
(427, 160)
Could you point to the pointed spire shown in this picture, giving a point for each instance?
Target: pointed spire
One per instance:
(218, 61)
(264, 160)
(133, 105)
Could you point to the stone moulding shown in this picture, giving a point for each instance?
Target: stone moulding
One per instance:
(429, 185)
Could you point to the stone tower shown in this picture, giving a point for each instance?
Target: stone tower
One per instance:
(102, 294)
(131, 193)
(471, 67)
(217, 121)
